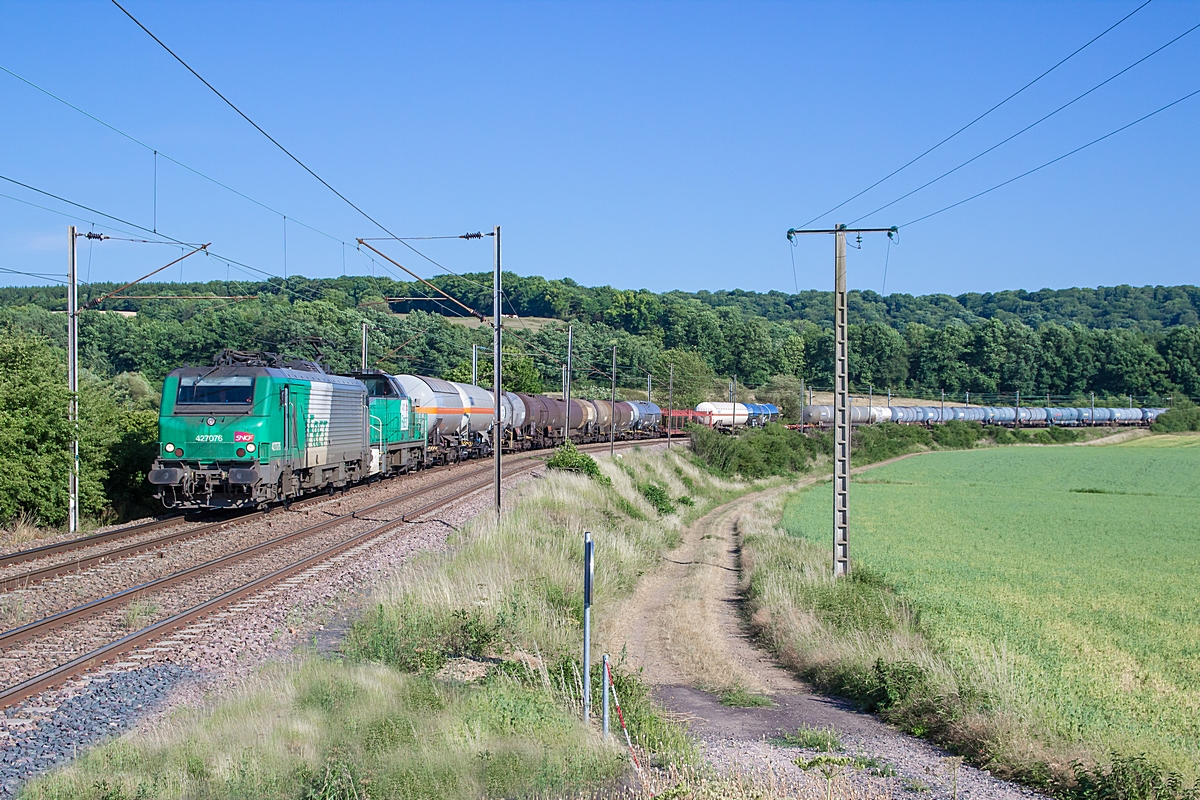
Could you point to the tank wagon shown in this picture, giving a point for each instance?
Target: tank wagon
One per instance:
(255, 429)
(728, 416)
(1030, 416)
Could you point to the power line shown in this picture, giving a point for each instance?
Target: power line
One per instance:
(900, 169)
(38, 275)
(159, 153)
(63, 214)
(1053, 161)
(169, 239)
(287, 152)
(1027, 127)
(256, 126)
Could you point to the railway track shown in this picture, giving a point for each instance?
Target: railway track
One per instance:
(186, 622)
(74, 547)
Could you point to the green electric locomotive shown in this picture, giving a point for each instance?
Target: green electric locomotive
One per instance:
(253, 429)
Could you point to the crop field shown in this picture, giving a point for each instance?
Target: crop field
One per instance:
(1067, 579)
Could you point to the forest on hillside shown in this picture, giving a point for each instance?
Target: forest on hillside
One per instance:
(1144, 308)
(1063, 343)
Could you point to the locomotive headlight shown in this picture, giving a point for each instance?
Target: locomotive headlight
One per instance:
(170, 448)
(211, 420)
(250, 448)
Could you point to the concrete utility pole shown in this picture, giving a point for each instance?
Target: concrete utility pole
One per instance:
(670, 400)
(73, 382)
(364, 347)
(841, 395)
(649, 386)
(496, 431)
(474, 365)
(612, 416)
(734, 401)
(567, 383)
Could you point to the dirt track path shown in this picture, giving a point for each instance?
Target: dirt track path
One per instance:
(684, 630)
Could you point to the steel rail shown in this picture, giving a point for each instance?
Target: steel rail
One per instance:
(56, 675)
(20, 556)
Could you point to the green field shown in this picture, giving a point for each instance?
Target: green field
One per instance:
(1067, 576)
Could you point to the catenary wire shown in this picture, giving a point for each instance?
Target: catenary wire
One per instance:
(896, 171)
(38, 275)
(169, 239)
(1026, 128)
(161, 154)
(275, 142)
(1053, 161)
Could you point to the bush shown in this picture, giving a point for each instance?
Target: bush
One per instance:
(871, 443)
(957, 434)
(657, 497)
(1183, 417)
(757, 453)
(568, 458)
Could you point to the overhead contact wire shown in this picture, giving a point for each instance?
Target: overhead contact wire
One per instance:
(1027, 127)
(1053, 161)
(900, 169)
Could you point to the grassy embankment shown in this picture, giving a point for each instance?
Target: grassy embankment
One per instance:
(387, 719)
(1034, 608)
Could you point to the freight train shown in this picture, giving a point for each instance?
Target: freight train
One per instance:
(254, 429)
(1030, 416)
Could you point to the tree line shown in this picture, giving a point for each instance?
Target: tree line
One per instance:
(704, 345)
(922, 344)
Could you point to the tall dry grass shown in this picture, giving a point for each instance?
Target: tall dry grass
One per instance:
(517, 586)
(23, 529)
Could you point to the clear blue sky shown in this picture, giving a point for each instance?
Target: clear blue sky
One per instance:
(656, 145)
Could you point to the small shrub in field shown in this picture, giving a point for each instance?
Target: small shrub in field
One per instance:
(684, 500)
(657, 497)
(757, 453)
(568, 458)
(873, 443)
(739, 696)
(810, 737)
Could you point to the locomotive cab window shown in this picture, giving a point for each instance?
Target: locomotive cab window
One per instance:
(234, 390)
(378, 386)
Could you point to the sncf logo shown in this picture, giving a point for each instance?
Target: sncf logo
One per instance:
(243, 436)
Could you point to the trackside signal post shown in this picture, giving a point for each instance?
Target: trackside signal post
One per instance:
(841, 394)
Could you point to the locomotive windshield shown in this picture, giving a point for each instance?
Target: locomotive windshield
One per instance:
(378, 386)
(215, 389)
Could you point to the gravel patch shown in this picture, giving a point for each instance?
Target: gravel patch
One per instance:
(38, 738)
(748, 741)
